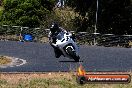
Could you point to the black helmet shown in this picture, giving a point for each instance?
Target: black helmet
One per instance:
(54, 28)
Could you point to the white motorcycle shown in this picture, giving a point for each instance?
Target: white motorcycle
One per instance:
(67, 45)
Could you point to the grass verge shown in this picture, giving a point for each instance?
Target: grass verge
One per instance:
(49, 80)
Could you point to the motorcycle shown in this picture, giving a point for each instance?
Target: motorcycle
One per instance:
(67, 46)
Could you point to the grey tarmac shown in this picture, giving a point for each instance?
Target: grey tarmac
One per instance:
(40, 57)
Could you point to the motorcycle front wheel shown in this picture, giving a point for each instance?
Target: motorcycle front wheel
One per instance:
(72, 54)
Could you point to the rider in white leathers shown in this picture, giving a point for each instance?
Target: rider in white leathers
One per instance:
(54, 31)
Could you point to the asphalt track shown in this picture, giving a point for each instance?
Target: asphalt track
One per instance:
(40, 58)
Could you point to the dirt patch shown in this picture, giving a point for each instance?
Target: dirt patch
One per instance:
(5, 60)
(44, 40)
(10, 37)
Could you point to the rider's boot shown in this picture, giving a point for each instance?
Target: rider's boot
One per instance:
(58, 53)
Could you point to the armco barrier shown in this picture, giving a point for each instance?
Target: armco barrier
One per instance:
(14, 33)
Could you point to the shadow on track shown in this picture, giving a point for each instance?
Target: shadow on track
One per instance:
(70, 61)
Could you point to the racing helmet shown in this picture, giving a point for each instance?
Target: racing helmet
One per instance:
(54, 28)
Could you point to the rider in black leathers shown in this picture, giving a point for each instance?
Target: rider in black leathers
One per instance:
(54, 31)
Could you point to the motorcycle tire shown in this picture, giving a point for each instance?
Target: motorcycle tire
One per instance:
(72, 54)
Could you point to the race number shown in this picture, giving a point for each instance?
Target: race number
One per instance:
(67, 38)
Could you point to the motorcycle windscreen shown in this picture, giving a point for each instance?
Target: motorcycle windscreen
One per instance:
(60, 36)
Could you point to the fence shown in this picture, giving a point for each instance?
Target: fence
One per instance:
(14, 33)
(107, 40)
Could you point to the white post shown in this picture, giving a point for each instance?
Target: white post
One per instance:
(96, 24)
(20, 38)
(96, 18)
(63, 3)
(17, 27)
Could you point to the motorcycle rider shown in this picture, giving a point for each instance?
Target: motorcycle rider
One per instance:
(54, 31)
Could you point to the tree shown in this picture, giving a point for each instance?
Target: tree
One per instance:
(114, 16)
(25, 12)
(86, 11)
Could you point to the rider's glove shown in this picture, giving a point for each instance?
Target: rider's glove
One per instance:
(54, 40)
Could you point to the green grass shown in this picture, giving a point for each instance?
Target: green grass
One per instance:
(61, 82)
